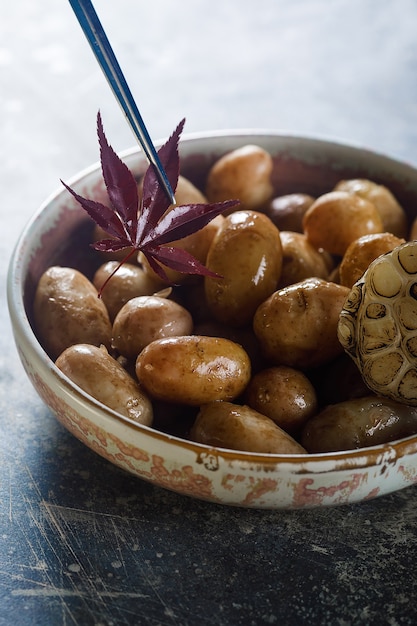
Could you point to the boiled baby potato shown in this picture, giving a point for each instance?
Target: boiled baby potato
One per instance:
(228, 425)
(103, 378)
(243, 174)
(359, 423)
(393, 216)
(130, 281)
(362, 252)
(67, 311)
(145, 319)
(337, 218)
(283, 394)
(300, 259)
(247, 255)
(193, 369)
(297, 325)
(287, 212)
(243, 335)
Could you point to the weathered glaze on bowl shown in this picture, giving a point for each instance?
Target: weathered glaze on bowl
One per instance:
(222, 476)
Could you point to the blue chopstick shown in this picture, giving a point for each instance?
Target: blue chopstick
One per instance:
(100, 45)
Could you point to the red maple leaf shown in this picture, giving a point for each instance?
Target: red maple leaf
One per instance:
(146, 225)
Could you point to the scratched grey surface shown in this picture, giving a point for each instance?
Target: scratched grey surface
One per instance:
(81, 542)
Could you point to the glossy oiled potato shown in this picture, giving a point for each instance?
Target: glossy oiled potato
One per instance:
(283, 394)
(359, 423)
(102, 377)
(243, 174)
(337, 218)
(393, 216)
(297, 325)
(67, 310)
(128, 282)
(300, 259)
(287, 211)
(193, 369)
(362, 252)
(237, 427)
(145, 319)
(247, 254)
(243, 335)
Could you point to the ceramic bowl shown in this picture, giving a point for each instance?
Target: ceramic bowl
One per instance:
(222, 476)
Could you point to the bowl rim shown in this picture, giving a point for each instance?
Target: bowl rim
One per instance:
(354, 459)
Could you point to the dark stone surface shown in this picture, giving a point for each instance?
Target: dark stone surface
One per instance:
(81, 542)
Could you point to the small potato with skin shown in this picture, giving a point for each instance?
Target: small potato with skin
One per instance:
(393, 216)
(130, 281)
(359, 423)
(297, 325)
(283, 394)
(247, 254)
(300, 259)
(287, 212)
(228, 425)
(337, 218)
(243, 174)
(67, 311)
(145, 319)
(103, 378)
(244, 336)
(193, 369)
(362, 252)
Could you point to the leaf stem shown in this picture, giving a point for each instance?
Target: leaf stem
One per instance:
(122, 262)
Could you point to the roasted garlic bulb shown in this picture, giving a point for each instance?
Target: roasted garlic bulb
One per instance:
(378, 324)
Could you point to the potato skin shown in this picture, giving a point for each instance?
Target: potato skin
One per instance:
(242, 174)
(228, 425)
(247, 254)
(337, 218)
(393, 216)
(297, 325)
(300, 259)
(145, 319)
(193, 369)
(103, 378)
(362, 252)
(283, 394)
(359, 423)
(67, 311)
(287, 211)
(130, 281)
